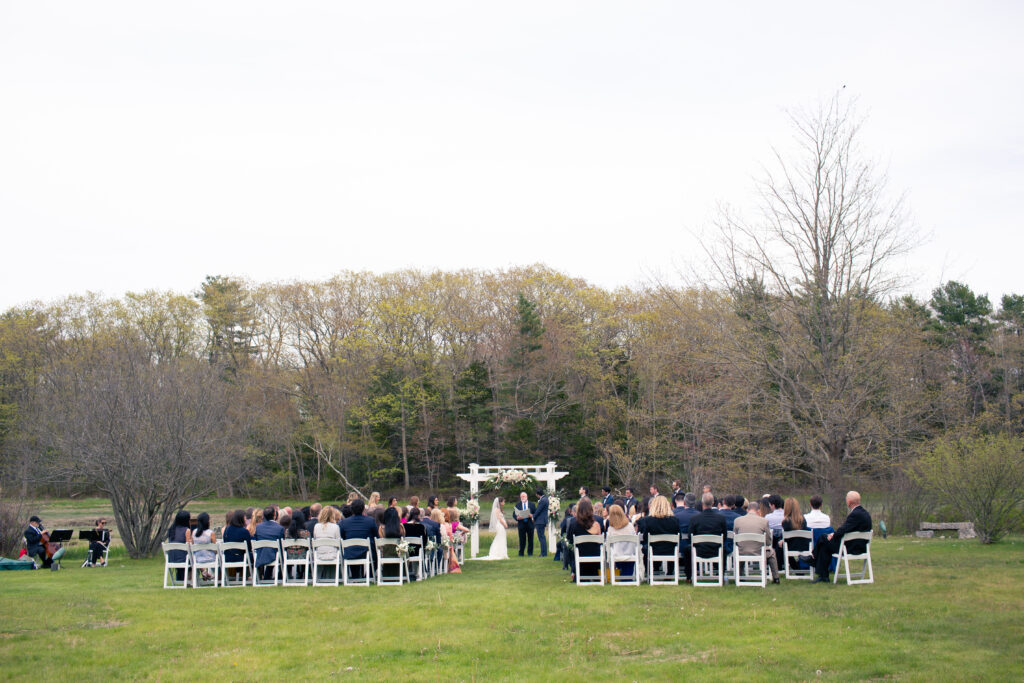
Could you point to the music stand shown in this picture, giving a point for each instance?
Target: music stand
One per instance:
(60, 536)
(89, 536)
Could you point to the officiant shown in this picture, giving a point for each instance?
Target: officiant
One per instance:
(524, 521)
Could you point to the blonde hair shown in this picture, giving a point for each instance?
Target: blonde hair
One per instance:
(437, 515)
(329, 514)
(660, 507)
(257, 517)
(374, 498)
(617, 517)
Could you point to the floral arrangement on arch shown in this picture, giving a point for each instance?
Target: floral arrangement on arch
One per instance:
(510, 481)
(471, 513)
(554, 508)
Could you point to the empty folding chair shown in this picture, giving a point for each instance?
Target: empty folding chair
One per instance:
(295, 561)
(665, 557)
(624, 549)
(743, 562)
(844, 556)
(176, 563)
(205, 559)
(233, 557)
(415, 558)
(326, 572)
(799, 556)
(707, 571)
(364, 563)
(390, 568)
(589, 559)
(271, 567)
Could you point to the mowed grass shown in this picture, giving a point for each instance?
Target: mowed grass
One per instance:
(939, 609)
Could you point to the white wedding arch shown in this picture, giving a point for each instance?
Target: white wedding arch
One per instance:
(480, 473)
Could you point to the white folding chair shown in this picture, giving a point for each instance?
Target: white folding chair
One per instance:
(295, 569)
(383, 562)
(365, 562)
(226, 564)
(597, 559)
(274, 567)
(728, 551)
(171, 569)
(742, 562)
(320, 565)
(800, 556)
(707, 571)
(843, 564)
(211, 563)
(667, 579)
(621, 556)
(415, 557)
(460, 551)
(91, 561)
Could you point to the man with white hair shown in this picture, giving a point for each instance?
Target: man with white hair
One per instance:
(857, 520)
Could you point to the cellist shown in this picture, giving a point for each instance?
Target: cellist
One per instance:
(34, 540)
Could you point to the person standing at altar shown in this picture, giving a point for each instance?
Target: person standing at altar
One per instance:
(607, 501)
(540, 521)
(524, 513)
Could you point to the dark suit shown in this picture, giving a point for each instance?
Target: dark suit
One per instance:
(630, 502)
(358, 526)
(525, 527)
(653, 526)
(433, 530)
(267, 530)
(608, 501)
(857, 520)
(34, 544)
(540, 524)
(706, 522)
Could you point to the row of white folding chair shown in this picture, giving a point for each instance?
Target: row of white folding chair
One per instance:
(788, 554)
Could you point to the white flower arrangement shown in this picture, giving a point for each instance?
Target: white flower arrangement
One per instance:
(446, 542)
(402, 549)
(431, 546)
(510, 479)
(554, 508)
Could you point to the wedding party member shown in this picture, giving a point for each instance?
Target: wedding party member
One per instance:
(584, 492)
(179, 533)
(619, 524)
(660, 521)
(446, 532)
(607, 500)
(34, 540)
(540, 521)
(372, 504)
(857, 520)
(431, 504)
(524, 522)
(102, 542)
(584, 524)
(631, 502)
(235, 532)
(497, 525)
(359, 526)
(267, 530)
(754, 523)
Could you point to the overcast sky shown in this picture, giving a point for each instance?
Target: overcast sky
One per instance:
(147, 145)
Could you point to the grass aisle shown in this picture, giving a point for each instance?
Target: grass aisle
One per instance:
(940, 609)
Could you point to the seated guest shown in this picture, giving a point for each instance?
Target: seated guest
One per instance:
(203, 535)
(816, 519)
(180, 532)
(432, 528)
(684, 511)
(413, 527)
(793, 520)
(254, 521)
(706, 522)
(727, 508)
(584, 524)
(235, 532)
(267, 530)
(327, 527)
(102, 542)
(857, 520)
(391, 528)
(776, 514)
(313, 518)
(295, 528)
(754, 523)
(660, 521)
(34, 541)
(248, 516)
(446, 533)
(358, 526)
(560, 549)
(346, 510)
(618, 523)
(739, 505)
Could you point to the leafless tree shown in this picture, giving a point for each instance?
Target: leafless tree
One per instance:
(807, 279)
(150, 435)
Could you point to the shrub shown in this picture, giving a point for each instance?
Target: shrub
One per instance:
(981, 477)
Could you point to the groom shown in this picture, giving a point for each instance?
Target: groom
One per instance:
(524, 520)
(540, 521)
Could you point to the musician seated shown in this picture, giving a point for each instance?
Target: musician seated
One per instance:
(98, 547)
(34, 540)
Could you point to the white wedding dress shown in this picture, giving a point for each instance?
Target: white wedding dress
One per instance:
(499, 546)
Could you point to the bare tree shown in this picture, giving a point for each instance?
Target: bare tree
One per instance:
(807, 280)
(151, 435)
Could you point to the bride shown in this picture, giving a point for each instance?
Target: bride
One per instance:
(498, 525)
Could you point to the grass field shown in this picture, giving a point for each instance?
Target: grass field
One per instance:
(941, 609)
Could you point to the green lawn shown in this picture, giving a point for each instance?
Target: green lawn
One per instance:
(940, 609)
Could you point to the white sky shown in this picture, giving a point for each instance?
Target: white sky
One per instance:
(146, 146)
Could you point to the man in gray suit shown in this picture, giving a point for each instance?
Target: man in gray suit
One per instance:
(754, 523)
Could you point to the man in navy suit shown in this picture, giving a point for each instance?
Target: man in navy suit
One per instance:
(684, 511)
(608, 499)
(857, 520)
(358, 526)
(540, 521)
(268, 530)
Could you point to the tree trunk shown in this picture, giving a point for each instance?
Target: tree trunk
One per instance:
(405, 452)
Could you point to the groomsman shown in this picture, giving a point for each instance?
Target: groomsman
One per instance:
(631, 500)
(540, 521)
(524, 521)
(608, 499)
